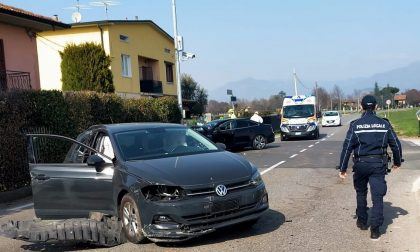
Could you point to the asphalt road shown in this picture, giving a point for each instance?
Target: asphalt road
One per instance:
(311, 209)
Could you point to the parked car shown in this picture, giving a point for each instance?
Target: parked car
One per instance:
(164, 181)
(238, 133)
(331, 118)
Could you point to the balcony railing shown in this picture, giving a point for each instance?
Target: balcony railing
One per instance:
(14, 80)
(151, 87)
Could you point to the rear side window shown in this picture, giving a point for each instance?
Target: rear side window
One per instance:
(252, 123)
(242, 124)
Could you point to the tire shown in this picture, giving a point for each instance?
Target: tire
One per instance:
(130, 219)
(259, 142)
(283, 138)
(316, 135)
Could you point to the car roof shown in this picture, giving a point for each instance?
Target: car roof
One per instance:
(122, 127)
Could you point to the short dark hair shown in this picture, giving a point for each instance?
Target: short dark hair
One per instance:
(368, 102)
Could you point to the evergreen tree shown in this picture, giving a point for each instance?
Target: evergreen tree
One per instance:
(86, 67)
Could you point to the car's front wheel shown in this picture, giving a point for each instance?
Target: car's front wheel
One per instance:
(130, 219)
(259, 142)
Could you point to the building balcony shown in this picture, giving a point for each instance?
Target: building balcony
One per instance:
(151, 87)
(14, 80)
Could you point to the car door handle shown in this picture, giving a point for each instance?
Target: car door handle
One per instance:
(42, 177)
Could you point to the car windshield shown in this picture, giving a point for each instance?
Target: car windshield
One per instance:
(161, 142)
(331, 113)
(297, 111)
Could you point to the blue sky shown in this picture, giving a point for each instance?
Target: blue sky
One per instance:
(266, 39)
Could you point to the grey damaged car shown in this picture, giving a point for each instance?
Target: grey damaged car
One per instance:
(164, 182)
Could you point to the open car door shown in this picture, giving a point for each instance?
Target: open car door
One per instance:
(75, 185)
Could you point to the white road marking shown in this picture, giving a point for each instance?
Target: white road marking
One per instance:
(20, 207)
(317, 142)
(328, 136)
(416, 185)
(332, 134)
(303, 150)
(310, 146)
(294, 155)
(323, 139)
(272, 167)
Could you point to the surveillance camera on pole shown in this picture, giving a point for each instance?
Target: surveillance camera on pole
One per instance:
(188, 55)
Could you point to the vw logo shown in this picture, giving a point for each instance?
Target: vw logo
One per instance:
(221, 190)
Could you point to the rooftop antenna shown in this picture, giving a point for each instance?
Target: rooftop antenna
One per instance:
(106, 4)
(76, 16)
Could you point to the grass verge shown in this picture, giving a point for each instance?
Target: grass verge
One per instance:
(405, 122)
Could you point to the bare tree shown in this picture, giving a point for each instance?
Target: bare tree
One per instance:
(323, 98)
(337, 95)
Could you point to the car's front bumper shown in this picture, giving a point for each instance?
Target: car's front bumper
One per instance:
(297, 133)
(331, 123)
(201, 215)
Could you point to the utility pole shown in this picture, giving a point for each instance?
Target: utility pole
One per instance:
(316, 96)
(295, 81)
(177, 63)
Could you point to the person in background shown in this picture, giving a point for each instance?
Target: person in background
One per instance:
(256, 117)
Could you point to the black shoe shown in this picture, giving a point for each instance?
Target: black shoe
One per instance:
(362, 225)
(374, 233)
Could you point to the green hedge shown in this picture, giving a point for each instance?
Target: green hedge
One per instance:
(65, 114)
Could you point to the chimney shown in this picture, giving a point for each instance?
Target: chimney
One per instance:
(136, 17)
(55, 17)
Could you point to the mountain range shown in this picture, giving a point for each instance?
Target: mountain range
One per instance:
(250, 88)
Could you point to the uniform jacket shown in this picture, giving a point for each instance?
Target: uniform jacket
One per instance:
(369, 136)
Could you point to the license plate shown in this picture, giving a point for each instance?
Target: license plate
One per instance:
(227, 205)
(297, 133)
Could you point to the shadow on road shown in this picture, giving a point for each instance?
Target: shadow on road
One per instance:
(268, 223)
(391, 213)
(58, 246)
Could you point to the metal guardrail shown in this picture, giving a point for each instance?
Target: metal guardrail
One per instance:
(14, 80)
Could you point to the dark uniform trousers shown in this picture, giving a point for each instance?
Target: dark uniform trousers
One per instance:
(372, 172)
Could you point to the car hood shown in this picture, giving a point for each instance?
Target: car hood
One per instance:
(330, 117)
(192, 170)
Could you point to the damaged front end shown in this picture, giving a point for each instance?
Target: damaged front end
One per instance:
(173, 214)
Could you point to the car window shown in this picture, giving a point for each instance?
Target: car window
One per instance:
(331, 113)
(226, 126)
(242, 124)
(161, 142)
(79, 153)
(103, 145)
(252, 123)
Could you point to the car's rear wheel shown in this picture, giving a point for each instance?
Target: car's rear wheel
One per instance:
(130, 219)
(259, 142)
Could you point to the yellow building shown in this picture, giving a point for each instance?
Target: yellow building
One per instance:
(142, 53)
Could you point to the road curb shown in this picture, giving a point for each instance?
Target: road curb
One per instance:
(15, 195)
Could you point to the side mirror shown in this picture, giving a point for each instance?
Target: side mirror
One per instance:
(318, 114)
(96, 161)
(221, 146)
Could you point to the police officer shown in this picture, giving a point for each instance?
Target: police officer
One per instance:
(368, 137)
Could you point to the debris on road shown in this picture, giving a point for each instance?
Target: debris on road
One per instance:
(104, 233)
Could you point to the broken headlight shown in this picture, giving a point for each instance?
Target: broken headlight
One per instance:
(256, 179)
(162, 192)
